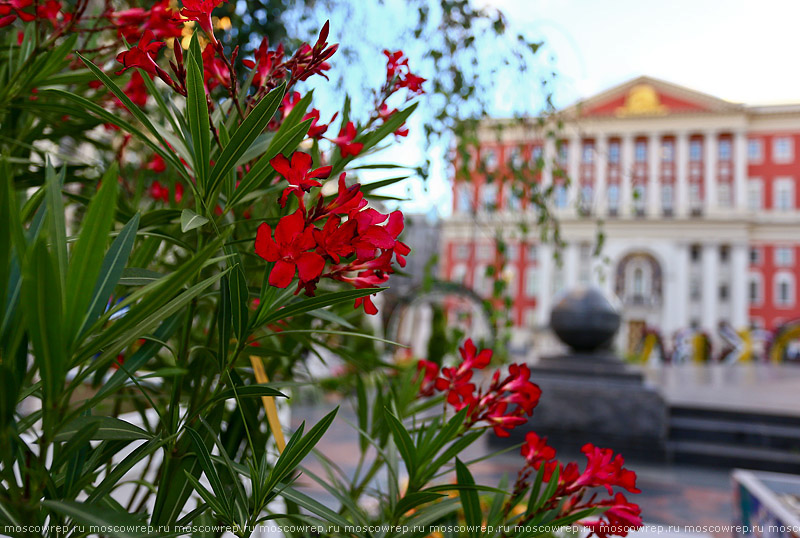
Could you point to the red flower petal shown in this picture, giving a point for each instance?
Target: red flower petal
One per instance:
(282, 274)
(310, 265)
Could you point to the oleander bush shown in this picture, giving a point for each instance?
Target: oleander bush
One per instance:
(180, 231)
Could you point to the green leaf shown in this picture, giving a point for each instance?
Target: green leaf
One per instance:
(314, 303)
(204, 458)
(469, 500)
(255, 122)
(297, 449)
(191, 220)
(109, 428)
(120, 469)
(136, 276)
(316, 507)
(197, 115)
(414, 499)
(88, 251)
(55, 207)
(111, 271)
(114, 523)
(404, 443)
(242, 391)
(238, 298)
(43, 316)
(224, 328)
(6, 193)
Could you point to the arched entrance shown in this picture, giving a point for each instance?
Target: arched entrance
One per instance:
(638, 285)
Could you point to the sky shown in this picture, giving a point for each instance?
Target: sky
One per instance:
(742, 51)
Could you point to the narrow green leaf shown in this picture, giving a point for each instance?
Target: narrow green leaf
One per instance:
(136, 276)
(255, 122)
(238, 298)
(44, 319)
(114, 523)
(204, 458)
(469, 500)
(109, 428)
(404, 443)
(316, 507)
(314, 303)
(191, 220)
(55, 206)
(197, 115)
(224, 327)
(111, 272)
(87, 253)
(120, 469)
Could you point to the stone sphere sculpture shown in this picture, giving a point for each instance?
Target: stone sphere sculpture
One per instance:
(585, 320)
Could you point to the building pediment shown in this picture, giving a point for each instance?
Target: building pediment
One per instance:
(649, 97)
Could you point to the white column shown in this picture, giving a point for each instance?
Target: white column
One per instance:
(739, 308)
(676, 292)
(574, 159)
(710, 179)
(740, 170)
(600, 203)
(682, 175)
(653, 181)
(571, 261)
(545, 299)
(710, 283)
(626, 176)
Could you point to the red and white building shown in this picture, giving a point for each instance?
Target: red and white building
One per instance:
(699, 200)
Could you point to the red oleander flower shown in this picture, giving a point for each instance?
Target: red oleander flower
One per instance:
(298, 173)
(200, 12)
(11, 9)
(429, 371)
(394, 62)
(620, 518)
(49, 10)
(178, 192)
(158, 192)
(536, 450)
(288, 103)
(142, 55)
(456, 380)
(345, 142)
(267, 63)
(317, 130)
(159, 18)
(412, 82)
(335, 239)
(605, 469)
(156, 164)
(136, 89)
(215, 71)
(347, 201)
(289, 250)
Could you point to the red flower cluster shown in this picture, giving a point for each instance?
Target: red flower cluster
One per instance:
(398, 74)
(200, 12)
(159, 192)
(271, 68)
(504, 405)
(347, 147)
(159, 19)
(603, 469)
(354, 244)
(49, 10)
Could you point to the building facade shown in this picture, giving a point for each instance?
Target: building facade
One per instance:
(698, 200)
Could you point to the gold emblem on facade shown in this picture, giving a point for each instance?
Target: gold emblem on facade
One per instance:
(642, 100)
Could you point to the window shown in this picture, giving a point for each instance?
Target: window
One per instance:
(613, 197)
(755, 256)
(696, 252)
(755, 194)
(513, 199)
(667, 151)
(563, 153)
(588, 153)
(512, 252)
(639, 198)
(782, 149)
(490, 159)
(461, 251)
(695, 196)
(754, 289)
(486, 251)
(561, 196)
(613, 153)
(489, 192)
(724, 195)
(531, 282)
(641, 151)
(695, 150)
(666, 197)
(724, 150)
(723, 292)
(586, 198)
(784, 256)
(694, 289)
(724, 253)
(755, 150)
(784, 289)
(515, 157)
(530, 253)
(458, 273)
(783, 194)
(482, 284)
(536, 156)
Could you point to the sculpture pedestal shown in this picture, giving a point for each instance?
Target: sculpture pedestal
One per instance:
(595, 398)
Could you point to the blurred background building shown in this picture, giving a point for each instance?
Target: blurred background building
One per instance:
(698, 199)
